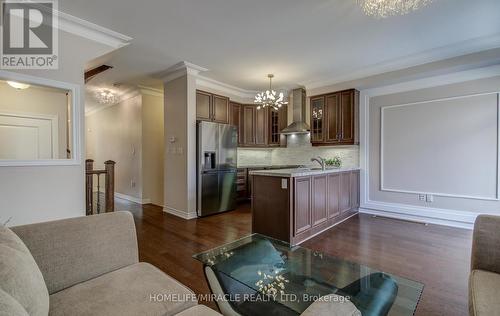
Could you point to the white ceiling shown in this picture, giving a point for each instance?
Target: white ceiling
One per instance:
(308, 42)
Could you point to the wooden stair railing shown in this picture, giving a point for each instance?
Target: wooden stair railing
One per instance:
(109, 187)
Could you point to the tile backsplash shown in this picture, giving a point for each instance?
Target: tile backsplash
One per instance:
(299, 151)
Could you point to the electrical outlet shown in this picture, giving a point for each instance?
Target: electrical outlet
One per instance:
(421, 197)
(284, 183)
(429, 198)
(132, 183)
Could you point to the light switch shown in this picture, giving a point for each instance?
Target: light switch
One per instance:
(284, 183)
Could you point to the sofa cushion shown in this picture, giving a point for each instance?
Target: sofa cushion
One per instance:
(484, 287)
(139, 289)
(20, 276)
(199, 310)
(9, 306)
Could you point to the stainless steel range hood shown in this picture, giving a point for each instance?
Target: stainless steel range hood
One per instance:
(299, 125)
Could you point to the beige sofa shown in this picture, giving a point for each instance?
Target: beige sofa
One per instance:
(484, 281)
(85, 266)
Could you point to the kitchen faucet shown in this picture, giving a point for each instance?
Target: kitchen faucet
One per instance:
(321, 161)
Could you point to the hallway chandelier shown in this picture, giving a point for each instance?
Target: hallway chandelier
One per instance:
(270, 98)
(386, 8)
(105, 96)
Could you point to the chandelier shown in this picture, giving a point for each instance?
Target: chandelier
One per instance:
(270, 98)
(105, 96)
(386, 8)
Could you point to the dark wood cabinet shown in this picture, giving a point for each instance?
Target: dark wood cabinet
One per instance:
(319, 201)
(333, 195)
(249, 125)
(235, 118)
(212, 107)
(241, 184)
(274, 127)
(317, 119)
(346, 118)
(334, 118)
(256, 128)
(261, 128)
(306, 205)
(332, 114)
(345, 192)
(203, 106)
(302, 205)
(355, 182)
(220, 109)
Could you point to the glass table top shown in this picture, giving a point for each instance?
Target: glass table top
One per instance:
(294, 277)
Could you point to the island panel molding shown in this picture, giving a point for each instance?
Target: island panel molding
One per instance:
(296, 206)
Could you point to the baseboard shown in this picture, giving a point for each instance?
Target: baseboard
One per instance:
(132, 198)
(453, 218)
(327, 228)
(179, 213)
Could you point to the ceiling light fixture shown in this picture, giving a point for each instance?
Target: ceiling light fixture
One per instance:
(18, 85)
(105, 96)
(386, 8)
(270, 98)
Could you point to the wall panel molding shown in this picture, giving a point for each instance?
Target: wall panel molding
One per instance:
(383, 187)
(403, 211)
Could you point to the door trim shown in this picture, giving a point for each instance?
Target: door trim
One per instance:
(54, 126)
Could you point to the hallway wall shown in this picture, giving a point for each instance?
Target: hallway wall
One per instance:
(131, 134)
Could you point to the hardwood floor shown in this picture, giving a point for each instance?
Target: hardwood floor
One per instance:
(435, 255)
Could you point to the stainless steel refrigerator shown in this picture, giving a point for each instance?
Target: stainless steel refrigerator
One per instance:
(216, 167)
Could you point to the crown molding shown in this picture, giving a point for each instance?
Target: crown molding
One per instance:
(436, 81)
(224, 87)
(89, 30)
(442, 53)
(180, 69)
(150, 91)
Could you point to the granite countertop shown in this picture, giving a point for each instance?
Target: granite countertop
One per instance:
(267, 166)
(299, 172)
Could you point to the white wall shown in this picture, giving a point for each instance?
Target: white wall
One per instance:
(131, 134)
(449, 210)
(115, 133)
(41, 193)
(153, 145)
(180, 146)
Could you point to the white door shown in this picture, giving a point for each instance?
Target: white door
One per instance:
(27, 138)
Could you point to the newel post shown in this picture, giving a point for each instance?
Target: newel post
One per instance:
(89, 186)
(110, 185)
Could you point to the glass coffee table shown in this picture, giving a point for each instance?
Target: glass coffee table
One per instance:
(260, 275)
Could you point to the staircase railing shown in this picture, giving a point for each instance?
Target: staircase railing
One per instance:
(109, 187)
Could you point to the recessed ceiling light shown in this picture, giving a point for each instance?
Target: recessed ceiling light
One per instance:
(18, 85)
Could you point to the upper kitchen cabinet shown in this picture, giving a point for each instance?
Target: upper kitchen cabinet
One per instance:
(261, 128)
(248, 121)
(212, 107)
(235, 118)
(261, 123)
(334, 118)
(317, 119)
(203, 106)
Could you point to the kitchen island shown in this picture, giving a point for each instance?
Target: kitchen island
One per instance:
(296, 204)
